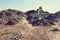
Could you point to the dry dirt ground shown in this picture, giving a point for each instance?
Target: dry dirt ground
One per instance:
(25, 31)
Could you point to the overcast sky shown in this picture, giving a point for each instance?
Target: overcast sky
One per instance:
(25, 5)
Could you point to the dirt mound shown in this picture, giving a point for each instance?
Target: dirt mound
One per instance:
(28, 27)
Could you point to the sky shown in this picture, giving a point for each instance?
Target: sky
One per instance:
(25, 5)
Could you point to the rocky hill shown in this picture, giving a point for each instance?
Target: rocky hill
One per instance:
(20, 25)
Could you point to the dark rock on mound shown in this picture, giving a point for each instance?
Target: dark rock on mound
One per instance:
(48, 18)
